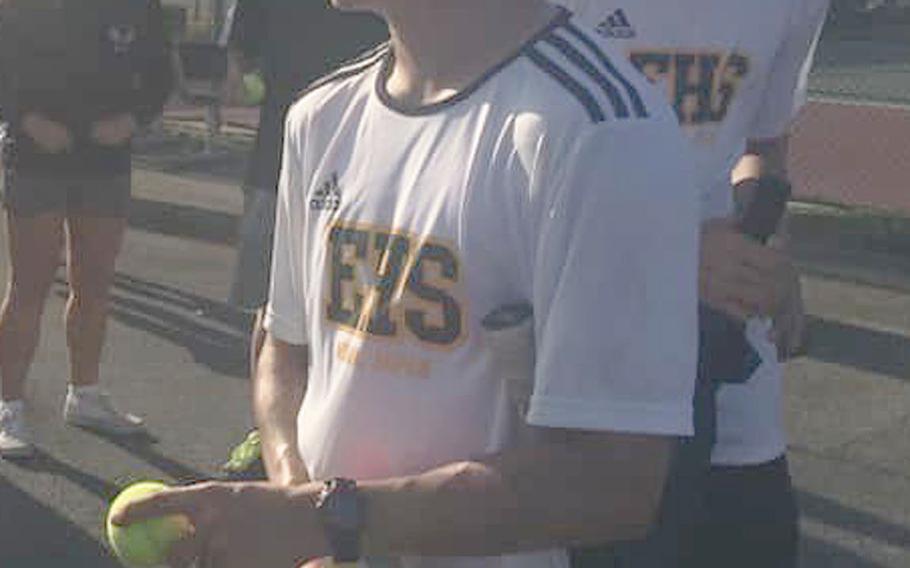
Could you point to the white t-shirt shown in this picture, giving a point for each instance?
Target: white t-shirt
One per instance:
(734, 71)
(560, 179)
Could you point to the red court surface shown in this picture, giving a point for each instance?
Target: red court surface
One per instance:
(853, 154)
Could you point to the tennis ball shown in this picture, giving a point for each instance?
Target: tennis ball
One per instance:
(145, 543)
(253, 89)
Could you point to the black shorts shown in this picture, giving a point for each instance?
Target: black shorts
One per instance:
(27, 194)
(750, 520)
(742, 517)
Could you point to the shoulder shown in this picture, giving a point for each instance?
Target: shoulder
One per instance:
(582, 73)
(336, 91)
(579, 89)
(337, 87)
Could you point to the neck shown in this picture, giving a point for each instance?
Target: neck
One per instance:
(442, 47)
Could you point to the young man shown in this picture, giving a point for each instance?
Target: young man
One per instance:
(292, 44)
(77, 78)
(736, 75)
(493, 153)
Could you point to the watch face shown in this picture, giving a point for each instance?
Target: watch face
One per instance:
(342, 517)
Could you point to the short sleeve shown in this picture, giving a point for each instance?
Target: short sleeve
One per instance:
(285, 316)
(615, 278)
(786, 87)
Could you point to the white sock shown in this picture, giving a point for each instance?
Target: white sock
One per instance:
(84, 390)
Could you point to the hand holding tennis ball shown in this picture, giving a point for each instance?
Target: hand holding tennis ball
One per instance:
(145, 543)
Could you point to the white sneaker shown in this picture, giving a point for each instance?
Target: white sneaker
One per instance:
(92, 408)
(15, 441)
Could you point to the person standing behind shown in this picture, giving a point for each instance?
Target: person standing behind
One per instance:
(291, 43)
(736, 74)
(77, 79)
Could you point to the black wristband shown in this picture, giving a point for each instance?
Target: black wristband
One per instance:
(761, 216)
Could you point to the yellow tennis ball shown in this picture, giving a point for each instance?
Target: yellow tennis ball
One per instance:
(145, 543)
(253, 89)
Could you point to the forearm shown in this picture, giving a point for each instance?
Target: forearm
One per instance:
(278, 390)
(573, 491)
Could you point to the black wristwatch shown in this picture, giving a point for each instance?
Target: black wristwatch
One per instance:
(340, 507)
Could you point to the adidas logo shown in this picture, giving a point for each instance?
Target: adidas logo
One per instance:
(328, 196)
(616, 26)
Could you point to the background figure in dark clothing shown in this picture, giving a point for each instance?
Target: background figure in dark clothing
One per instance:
(291, 43)
(77, 78)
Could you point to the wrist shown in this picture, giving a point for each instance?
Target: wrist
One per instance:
(341, 509)
(306, 517)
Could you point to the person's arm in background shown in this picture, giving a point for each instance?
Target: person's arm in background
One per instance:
(740, 277)
(768, 159)
(767, 151)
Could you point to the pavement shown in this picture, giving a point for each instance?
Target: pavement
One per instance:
(176, 354)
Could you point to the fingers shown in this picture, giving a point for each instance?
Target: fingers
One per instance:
(183, 553)
(790, 330)
(215, 554)
(739, 291)
(177, 501)
(738, 276)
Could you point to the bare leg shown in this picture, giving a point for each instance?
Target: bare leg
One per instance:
(93, 245)
(34, 252)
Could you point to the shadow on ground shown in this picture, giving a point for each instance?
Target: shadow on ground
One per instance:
(35, 536)
(832, 513)
(859, 347)
(182, 154)
(184, 221)
(214, 333)
(143, 447)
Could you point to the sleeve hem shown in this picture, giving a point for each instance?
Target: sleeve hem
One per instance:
(639, 418)
(283, 329)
